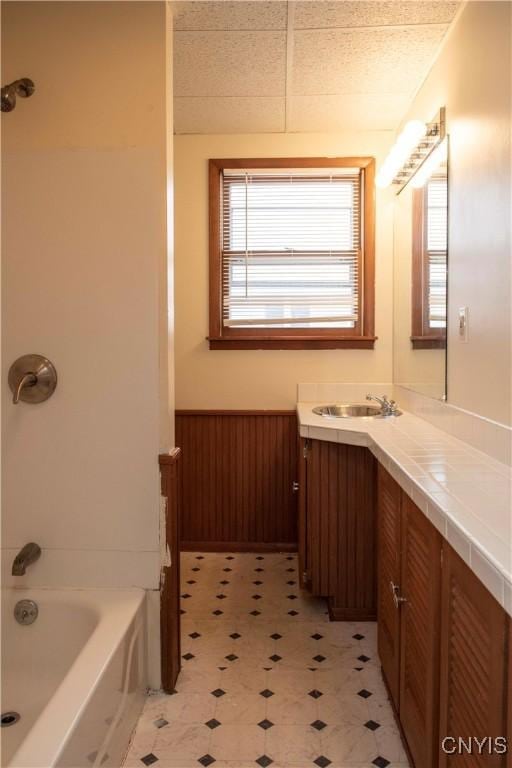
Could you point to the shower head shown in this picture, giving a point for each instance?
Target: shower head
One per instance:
(23, 87)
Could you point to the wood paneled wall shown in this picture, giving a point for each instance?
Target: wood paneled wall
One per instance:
(237, 475)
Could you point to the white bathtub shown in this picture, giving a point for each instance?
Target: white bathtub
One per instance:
(77, 676)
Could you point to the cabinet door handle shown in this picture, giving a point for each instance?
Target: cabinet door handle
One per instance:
(397, 598)
(295, 486)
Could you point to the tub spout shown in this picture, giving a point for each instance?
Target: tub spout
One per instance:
(26, 556)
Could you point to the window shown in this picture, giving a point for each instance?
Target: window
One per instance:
(291, 253)
(429, 264)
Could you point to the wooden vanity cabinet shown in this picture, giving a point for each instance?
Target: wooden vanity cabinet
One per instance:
(409, 567)
(337, 551)
(442, 640)
(474, 670)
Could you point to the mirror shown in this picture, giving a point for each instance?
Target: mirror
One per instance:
(420, 285)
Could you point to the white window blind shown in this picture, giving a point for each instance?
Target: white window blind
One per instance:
(436, 236)
(291, 242)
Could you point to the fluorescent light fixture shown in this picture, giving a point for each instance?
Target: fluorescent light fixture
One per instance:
(408, 140)
(437, 157)
(412, 151)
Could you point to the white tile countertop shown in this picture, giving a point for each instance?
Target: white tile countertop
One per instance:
(465, 493)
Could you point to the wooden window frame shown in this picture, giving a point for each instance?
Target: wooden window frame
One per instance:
(360, 337)
(422, 336)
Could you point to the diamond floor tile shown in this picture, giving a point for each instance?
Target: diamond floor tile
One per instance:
(240, 704)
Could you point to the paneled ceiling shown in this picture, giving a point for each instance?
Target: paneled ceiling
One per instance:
(267, 67)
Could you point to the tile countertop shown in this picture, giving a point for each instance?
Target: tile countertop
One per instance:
(465, 493)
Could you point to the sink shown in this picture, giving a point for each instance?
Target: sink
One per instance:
(352, 410)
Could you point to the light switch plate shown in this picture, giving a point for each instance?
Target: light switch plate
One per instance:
(463, 323)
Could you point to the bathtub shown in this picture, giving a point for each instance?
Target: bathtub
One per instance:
(77, 676)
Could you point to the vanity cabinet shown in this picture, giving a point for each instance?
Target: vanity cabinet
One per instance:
(442, 638)
(409, 568)
(337, 549)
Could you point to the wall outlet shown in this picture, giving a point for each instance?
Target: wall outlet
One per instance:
(463, 323)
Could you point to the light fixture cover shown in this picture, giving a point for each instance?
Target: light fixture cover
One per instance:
(411, 151)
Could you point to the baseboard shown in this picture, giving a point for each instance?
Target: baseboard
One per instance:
(237, 546)
(350, 614)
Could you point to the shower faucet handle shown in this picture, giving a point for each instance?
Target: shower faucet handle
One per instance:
(32, 379)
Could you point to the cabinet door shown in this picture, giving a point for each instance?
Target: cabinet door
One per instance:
(323, 495)
(473, 663)
(340, 489)
(419, 634)
(302, 530)
(388, 565)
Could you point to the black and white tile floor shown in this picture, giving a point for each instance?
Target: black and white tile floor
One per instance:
(266, 680)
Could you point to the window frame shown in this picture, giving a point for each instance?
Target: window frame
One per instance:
(360, 337)
(422, 336)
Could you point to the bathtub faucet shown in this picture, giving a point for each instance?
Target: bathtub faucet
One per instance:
(26, 556)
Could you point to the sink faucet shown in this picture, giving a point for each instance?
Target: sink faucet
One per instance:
(388, 406)
(26, 556)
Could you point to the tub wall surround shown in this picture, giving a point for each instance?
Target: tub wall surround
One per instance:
(84, 281)
(465, 493)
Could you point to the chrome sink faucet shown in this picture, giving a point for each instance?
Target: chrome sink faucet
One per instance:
(26, 556)
(388, 406)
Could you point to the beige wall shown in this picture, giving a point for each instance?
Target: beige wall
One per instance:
(251, 378)
(472, 78)
(84, 246)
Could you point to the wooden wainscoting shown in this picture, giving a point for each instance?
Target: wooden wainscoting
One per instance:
(236, 479)
(170, 643)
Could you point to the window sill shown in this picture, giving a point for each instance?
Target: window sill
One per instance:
(428, 342)
(310, 342)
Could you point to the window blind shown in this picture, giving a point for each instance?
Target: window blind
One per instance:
(436, 236)
(291, 245)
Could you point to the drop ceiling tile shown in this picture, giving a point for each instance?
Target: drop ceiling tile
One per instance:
(205, 15)
(229, 115)
(334, 61)
(346, 112)
(320, 14)
(229, 63)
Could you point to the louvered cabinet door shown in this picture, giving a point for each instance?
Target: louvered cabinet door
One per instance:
(473, 663)
(388, 573)
(419, 634)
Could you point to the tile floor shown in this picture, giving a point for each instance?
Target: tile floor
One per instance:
(266, 680)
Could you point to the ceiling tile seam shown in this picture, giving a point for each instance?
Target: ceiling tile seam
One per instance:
(212, 98)
(379, 94)
(289, 61)
(230, 29)
(373, 27)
